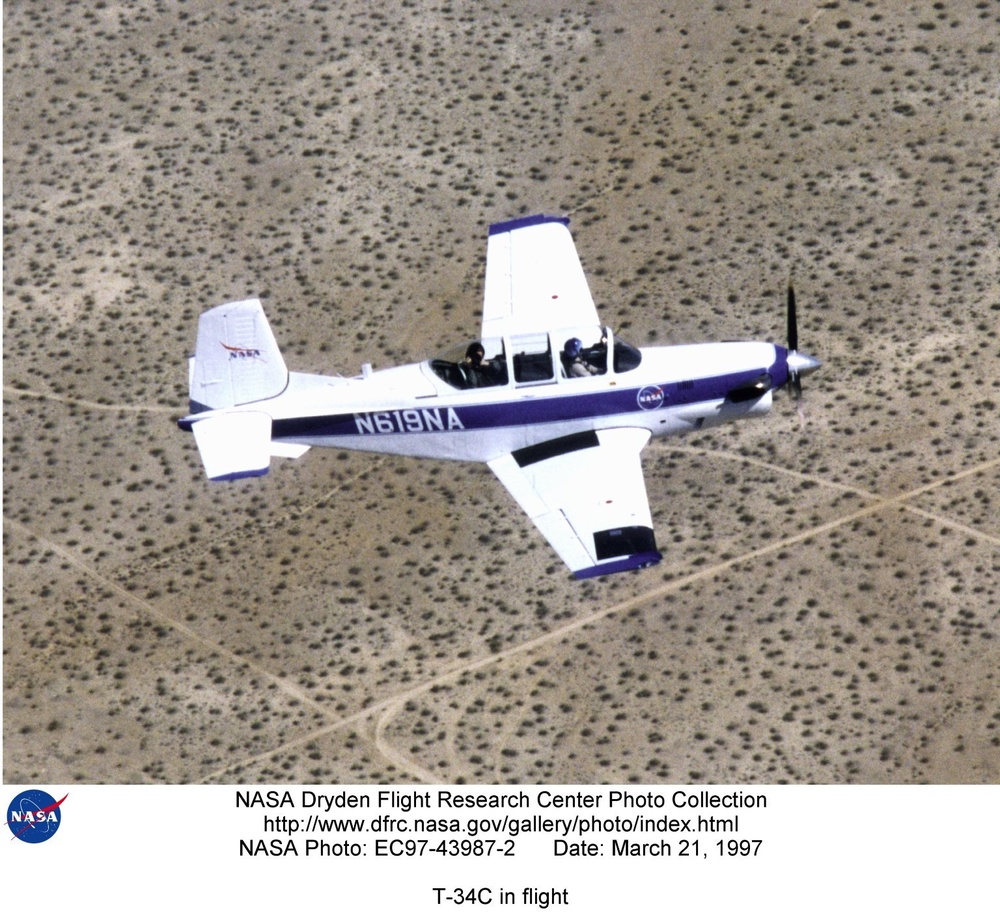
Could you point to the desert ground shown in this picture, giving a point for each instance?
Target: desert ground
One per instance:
(828, 606)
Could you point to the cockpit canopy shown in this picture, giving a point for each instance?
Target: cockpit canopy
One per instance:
(534, 359)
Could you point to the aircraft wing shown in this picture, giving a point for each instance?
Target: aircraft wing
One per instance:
(534, 279)
(586, 494)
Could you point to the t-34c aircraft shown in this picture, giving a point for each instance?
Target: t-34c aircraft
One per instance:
(548, 397)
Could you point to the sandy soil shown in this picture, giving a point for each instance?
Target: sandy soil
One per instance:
(827, 610)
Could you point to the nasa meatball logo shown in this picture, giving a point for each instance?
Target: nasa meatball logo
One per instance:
(34, 816)
(650, 397)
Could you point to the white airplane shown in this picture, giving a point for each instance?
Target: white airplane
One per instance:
(548, 397)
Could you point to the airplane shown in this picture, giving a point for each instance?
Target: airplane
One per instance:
(550, 399)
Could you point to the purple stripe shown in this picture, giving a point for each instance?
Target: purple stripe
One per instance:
(528, 412)
(779, 369)
(636, 561)
(498, 228)
(240, 475)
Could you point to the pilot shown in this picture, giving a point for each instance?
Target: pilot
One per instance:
(474, 355)
(479, 373)
(576, 365)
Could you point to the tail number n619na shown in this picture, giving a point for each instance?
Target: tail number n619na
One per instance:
(433, 420)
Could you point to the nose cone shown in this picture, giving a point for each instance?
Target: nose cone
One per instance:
(802, 364)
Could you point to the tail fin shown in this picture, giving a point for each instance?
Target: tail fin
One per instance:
(236, 360)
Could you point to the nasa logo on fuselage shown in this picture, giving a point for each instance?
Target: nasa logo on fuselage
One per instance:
(650, 397)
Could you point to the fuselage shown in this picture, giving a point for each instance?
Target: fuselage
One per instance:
(413, 410)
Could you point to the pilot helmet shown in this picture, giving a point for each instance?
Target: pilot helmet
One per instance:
(573, 347)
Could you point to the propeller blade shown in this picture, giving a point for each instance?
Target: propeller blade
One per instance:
(799, 364)
(793, 325)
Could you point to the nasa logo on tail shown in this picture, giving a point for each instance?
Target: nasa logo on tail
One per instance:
(34, 816)
(242, 352)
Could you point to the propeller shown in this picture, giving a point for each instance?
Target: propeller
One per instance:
(799, 364)
(793, 325)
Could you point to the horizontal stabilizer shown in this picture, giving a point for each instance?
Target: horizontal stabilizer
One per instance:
(234, 445)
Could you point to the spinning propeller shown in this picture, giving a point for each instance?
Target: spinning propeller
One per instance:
(799, 364)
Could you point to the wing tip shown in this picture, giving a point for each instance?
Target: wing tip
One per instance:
(623, 564)
(240, 475)
(523, 222)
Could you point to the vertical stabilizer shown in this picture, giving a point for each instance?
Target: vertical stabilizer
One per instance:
(236, 360)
